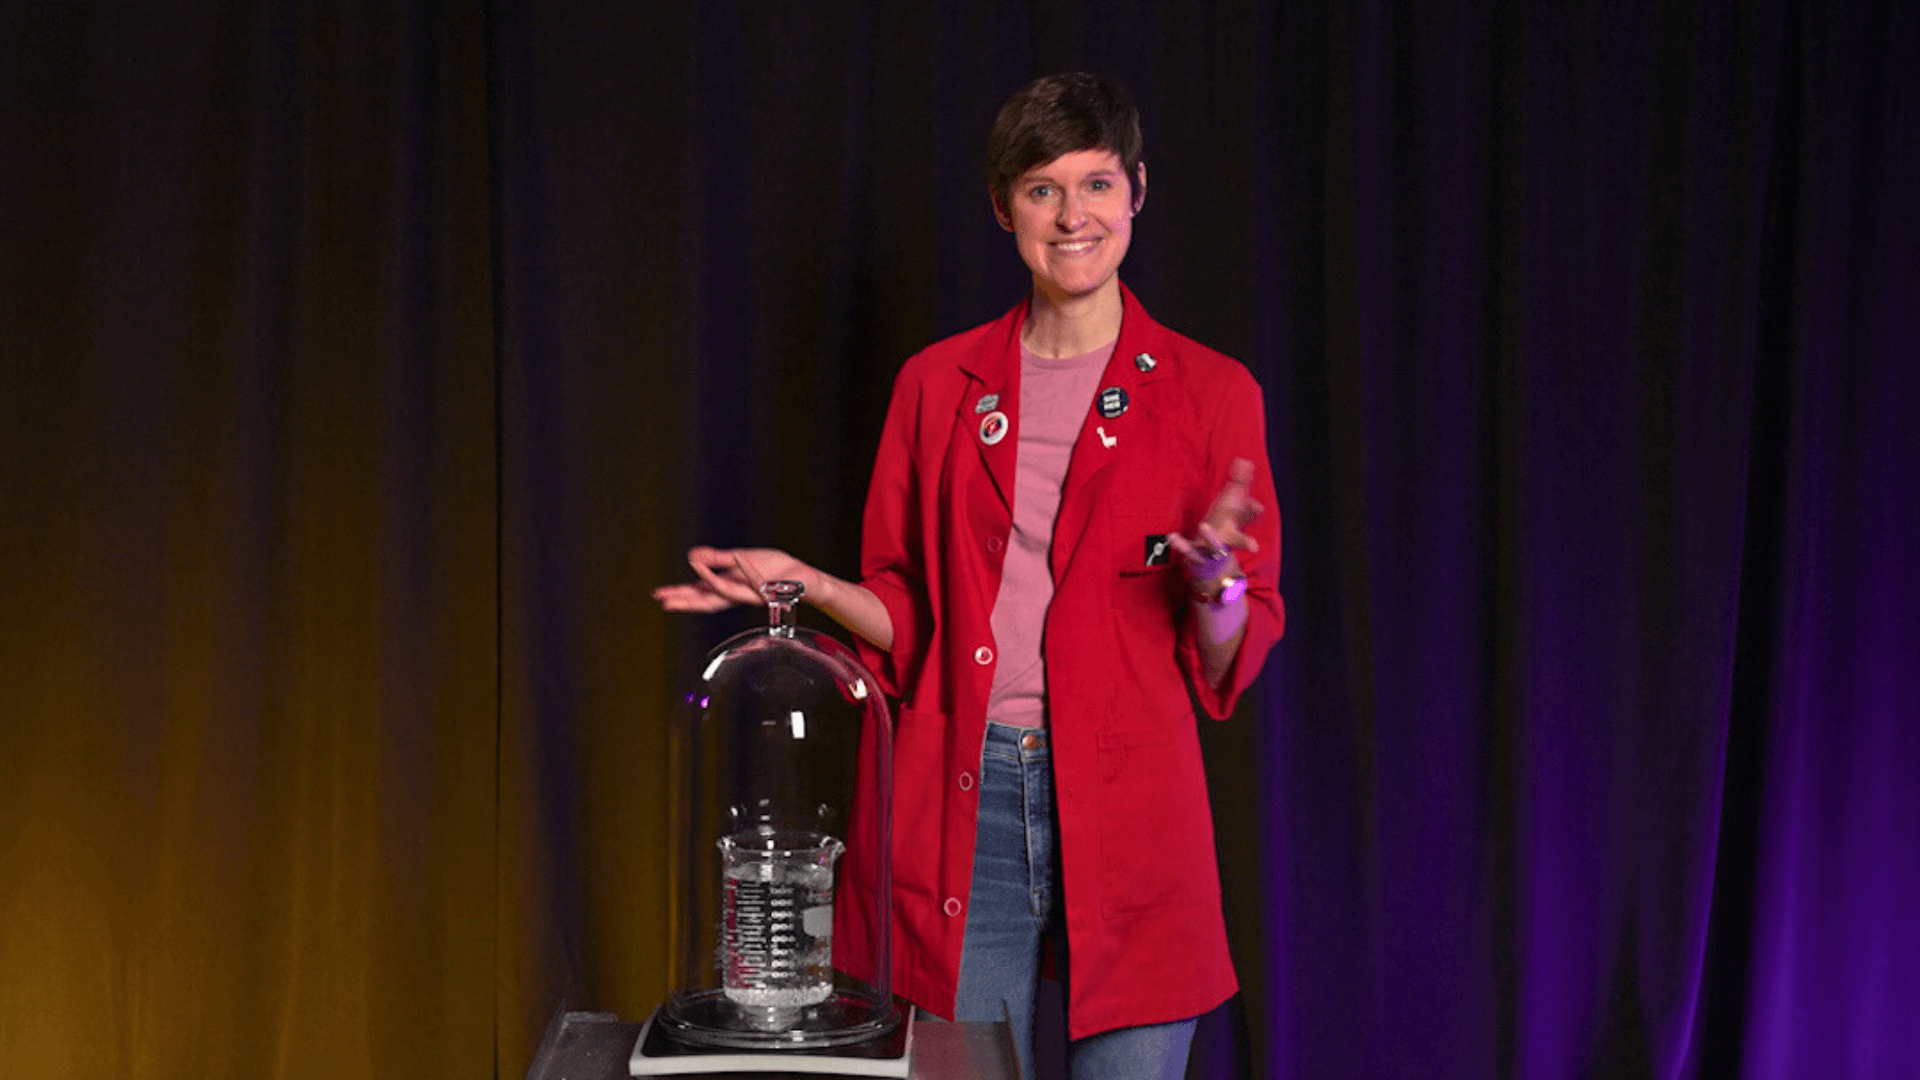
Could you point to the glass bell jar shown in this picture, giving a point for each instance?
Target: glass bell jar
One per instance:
(779, 844)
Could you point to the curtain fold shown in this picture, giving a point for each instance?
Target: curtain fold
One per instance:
(249, 648)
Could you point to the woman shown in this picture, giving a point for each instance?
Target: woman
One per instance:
(1064, 531)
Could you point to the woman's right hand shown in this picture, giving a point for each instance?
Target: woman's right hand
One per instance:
(729, 576)
(733, 576)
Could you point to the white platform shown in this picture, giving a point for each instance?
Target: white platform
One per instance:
(839, 1061)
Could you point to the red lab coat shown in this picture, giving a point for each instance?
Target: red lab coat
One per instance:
(1144, 924)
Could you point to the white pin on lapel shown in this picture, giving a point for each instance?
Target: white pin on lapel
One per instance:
(1107, 440)
(993, 428)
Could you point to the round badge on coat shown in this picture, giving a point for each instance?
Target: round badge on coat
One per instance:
(1113, 402)
(993, 427)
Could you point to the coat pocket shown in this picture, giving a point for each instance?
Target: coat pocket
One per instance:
(919, 756)
(1156, 827)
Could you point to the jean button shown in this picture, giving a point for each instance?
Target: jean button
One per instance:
(1032, 740)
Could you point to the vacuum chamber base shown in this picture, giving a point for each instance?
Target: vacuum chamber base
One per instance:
(658, 1053)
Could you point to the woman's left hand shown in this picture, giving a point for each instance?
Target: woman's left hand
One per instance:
(1208, 554)
(1220, 612)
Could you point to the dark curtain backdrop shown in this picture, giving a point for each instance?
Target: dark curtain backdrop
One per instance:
(362, 365)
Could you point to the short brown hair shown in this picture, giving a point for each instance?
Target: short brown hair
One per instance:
(1061, 114)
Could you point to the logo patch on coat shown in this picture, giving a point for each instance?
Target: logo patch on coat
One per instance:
(1159, 551)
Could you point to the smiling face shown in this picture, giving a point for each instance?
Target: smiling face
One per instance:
(1072, 219)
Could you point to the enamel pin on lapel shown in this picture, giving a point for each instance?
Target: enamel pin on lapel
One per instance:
(987, 403)
(993, 427)
(1145, 362)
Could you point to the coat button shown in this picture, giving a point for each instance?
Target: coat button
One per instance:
(952, 906)
(994, 544)
(966, 781)
(983, 656)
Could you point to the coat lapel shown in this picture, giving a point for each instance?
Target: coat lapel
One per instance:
(990, 407)
(1109, 445)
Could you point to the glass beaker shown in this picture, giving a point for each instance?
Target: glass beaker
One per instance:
(776, 947)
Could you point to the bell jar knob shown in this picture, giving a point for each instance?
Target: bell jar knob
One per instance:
(781, 596)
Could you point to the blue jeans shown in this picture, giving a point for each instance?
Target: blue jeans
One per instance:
(1015, 905)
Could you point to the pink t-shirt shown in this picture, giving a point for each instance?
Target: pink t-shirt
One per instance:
(1054, 398)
